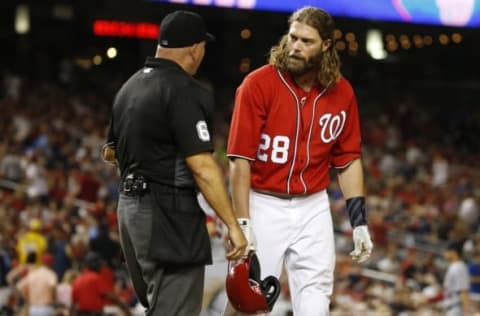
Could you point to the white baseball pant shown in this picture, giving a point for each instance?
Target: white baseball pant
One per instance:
(299, 232)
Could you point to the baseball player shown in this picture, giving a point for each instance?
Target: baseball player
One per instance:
(293, 119)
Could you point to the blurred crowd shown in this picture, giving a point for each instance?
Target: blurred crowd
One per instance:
(58, 224)
(57, 197)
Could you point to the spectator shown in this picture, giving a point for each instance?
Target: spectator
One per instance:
(456, 284)
(36, 176)
(4, 263)
(10, 167)
(32, 241)
(90, 292)
(104, 245)
(64, 292)
(38, 288)
(59, 247)
(440, 170)
(474, 271)
(468, 209)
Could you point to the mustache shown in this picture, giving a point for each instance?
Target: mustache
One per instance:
(296, 57)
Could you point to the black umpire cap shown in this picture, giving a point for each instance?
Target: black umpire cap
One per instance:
(182, 29)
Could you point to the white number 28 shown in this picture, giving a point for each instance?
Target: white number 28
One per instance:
(279, 153)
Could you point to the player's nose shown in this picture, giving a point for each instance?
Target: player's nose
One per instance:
(295, 46)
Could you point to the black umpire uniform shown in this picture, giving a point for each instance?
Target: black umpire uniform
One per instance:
(160, 116)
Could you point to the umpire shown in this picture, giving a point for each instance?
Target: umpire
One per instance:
(159, 137)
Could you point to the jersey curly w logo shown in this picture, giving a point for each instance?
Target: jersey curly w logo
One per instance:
(331, 126)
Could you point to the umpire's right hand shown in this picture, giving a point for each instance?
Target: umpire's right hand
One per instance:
(237, 243)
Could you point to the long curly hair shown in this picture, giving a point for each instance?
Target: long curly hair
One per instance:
(329, 64)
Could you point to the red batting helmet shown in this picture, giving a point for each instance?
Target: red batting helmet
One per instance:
(247, 293)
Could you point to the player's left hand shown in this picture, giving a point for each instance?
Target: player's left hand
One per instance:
(363, 245)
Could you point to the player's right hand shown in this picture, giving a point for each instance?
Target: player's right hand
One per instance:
(237, 243)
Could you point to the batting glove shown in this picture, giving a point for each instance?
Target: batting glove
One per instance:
(363, 245)
(249, 235)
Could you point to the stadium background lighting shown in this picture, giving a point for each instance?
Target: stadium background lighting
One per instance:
(125, 29)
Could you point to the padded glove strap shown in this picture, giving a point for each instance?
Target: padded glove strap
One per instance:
(248, 232)
(356, 211)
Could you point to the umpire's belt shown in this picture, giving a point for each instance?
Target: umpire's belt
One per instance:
(134, 185)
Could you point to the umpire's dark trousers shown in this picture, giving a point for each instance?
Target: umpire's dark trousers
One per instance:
(166, 290)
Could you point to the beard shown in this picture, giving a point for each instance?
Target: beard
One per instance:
(297, 65)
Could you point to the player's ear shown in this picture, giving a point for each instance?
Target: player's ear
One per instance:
(326, 44)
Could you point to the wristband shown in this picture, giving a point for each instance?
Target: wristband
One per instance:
(356, 211)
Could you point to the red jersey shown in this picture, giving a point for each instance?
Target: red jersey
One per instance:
(88, 291)
(291, 136)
